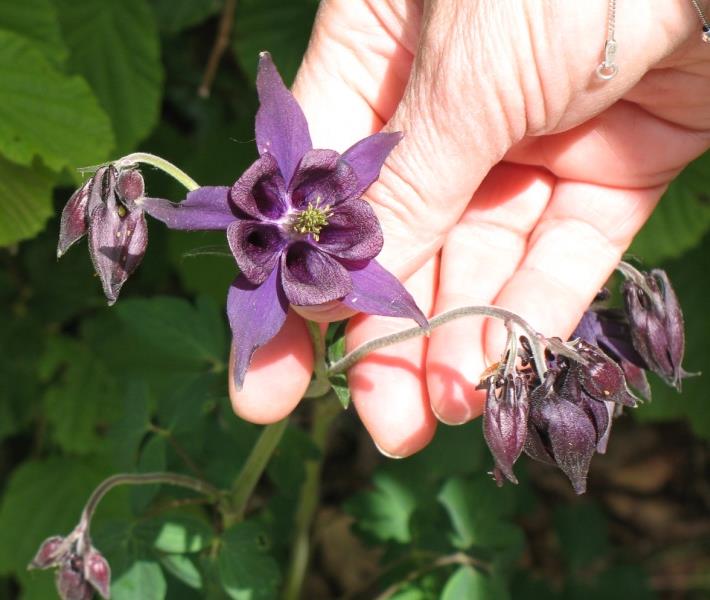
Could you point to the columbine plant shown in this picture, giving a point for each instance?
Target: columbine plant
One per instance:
(301, 235)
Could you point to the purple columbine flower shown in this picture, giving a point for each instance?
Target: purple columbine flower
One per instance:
(296, 224)
(107, 207)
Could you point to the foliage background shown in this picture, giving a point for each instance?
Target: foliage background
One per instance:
(86, 391)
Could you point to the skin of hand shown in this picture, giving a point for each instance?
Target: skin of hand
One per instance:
(520, 182)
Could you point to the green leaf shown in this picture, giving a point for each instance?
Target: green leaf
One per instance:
(287, 465)
(25, 200)
(280, 26)
(128, 431)
(183, 568)
(115, 46)
(45, 113)
(36, 20)
(682, 217)
(83, 398)
(617, 583)
(143, 579)
(583, 533)
(175, 15)
(45, 498)
(339, 383)
(152, 459)
(190, 336)
(478, 511)
(384, 512)
(178, 533)
(247, 572)
(472, 585)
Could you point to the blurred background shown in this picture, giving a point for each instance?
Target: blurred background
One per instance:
(86, 391)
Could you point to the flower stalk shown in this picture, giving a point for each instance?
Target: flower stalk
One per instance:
(167, 167)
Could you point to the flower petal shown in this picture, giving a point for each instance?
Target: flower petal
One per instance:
(261, 192)
(256, 247)
(353, 232)
(377, 292)
(205, 208)
(281, 126)
(74, 223)
(116, 245)
(311, 277)
(256, 314)
(367, 156)
(322, 178)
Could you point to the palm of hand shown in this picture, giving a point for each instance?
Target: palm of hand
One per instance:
(541, 233)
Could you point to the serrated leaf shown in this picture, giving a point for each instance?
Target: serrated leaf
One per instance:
(45, 498)
(384, 512)
(478, 511)
(25, 200)
(183, 568)
(115, 46)
(83, 398)
(179, 534)
(36, 20)
(280, 26)
(175, 15)
(246, 571)
(192, 336)
(470, 584)
(45, 113)
(681, 219)
(339, 383)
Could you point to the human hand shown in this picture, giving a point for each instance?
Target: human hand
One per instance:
(521, 180)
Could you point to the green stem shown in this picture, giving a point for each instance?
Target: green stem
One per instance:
(326, 410)
(320, 384)
(160, 163)
(253, 469)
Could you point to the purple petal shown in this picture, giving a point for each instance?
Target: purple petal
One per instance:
(603, 440)
(205, 208)
(256, 314)
(281, 127)
(71, 584)
(311, 277)
(353, 232)
(48, 554)
(256, 247)
(98, 572)
(535, 447)
(675, 327)
(636, 377)
(368, 155)
(261, 192)
(130, 187)
(116, 245)
(377, 292)
(75, 222)
(322, 178)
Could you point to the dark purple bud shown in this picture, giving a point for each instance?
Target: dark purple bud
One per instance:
(49, 553)
(130, 187)
(505, 422)
(98, 572)
(601, 377)
(656, 322)
(70, 581)
(565, 433)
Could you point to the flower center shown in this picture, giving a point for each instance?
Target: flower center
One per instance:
(312, 219)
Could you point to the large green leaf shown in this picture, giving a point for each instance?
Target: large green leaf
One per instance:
(43, 112)
(175, 15)
(25, 200)
(115, 46)
(469, 584)
(36, 20)
(682, 217)
(280, 26)
(246, 570)
(178, 533)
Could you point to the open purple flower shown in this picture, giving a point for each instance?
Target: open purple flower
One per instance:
(296, 225)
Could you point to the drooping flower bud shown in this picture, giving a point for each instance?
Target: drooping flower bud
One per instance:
(71, 584)
(656, 322)
(601, 377)
(505, 422)
(109, 208)
(97, 572)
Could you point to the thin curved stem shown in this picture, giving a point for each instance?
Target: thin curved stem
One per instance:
(159, 163)
(198, 485)
(465, 311)
(253, 469)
